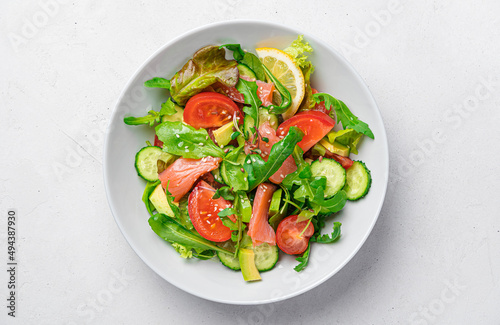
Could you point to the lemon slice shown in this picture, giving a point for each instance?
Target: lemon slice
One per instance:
(287, 72)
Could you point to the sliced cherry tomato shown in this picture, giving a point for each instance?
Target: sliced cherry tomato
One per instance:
(184, 172)
(289, 237)
(288, 166)
(230, 92)
(321, 106)
(209, 109)
(157, 142)
(346, 162)
(265, 92)
(203, 212)
(314, 124)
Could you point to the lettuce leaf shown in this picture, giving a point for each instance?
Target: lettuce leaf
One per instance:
(207, 66)
(347, 137)
(297, 51)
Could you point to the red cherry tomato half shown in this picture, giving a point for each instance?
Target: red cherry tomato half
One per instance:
(289, 237)
(203, 212)
(314, 124)
(209, 109)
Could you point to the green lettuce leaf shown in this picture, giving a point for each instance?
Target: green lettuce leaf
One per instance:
(259, 170)
(297, 51)
(183, 140)
(307, 103)
(346, 117)
(348, 138)
(207, 66)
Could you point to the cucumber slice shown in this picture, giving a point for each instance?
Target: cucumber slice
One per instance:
(146, 162)
(217, 176)
(333, 171)
(266, 257)
(358, 182)
(246, 71)
(229, 261)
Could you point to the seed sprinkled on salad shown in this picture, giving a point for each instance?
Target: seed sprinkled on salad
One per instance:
(248, 157)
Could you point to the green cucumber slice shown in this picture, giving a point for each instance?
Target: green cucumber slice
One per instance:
(358, 181)
(333, 171)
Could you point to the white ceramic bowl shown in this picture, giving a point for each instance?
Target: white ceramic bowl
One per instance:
(210, 279)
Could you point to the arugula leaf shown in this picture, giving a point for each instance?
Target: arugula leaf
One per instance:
(150, 187)
(248, 59)
(332, 205)
(173, 232)
(227, 212)
(303, 260)
(259, 170)
(326, 239)
(305, 215)
(238, 53)
(183, 215)
(183, 140)
(231, 171)
(252, 61)
(286, 98)
(249, 91)
(168, 108)
(297, 51)
(224, 192)
(158, 83)
(207, 66)
(152, 118)
(346, 117)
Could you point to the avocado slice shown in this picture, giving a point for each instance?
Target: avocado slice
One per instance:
(159, 200)
(336, 147)
(318, 149)
(247, 263)
(177, 117)
(223, 134)
(275, 203)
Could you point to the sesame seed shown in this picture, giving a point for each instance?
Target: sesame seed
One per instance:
(201, 143)
(248, 161)
(245, 179)
(186, 147)
(209, 215)
(282, 176)
(206, 138)
(177, 135)
(221, 146)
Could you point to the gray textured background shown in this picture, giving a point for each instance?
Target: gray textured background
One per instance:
(433, 67)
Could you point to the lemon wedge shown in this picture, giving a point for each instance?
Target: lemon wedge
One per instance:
(283, 67)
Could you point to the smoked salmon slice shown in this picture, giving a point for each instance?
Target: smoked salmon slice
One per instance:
(183, 173)
(259, 228)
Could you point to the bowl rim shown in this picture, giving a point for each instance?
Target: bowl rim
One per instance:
(380, 137)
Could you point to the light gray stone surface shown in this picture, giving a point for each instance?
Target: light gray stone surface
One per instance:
(433, 66)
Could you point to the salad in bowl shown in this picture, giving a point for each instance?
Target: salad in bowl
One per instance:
(249, 161)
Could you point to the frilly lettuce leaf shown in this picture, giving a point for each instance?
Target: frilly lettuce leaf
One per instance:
(297, 50)
(207, 66)
(347, 137)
